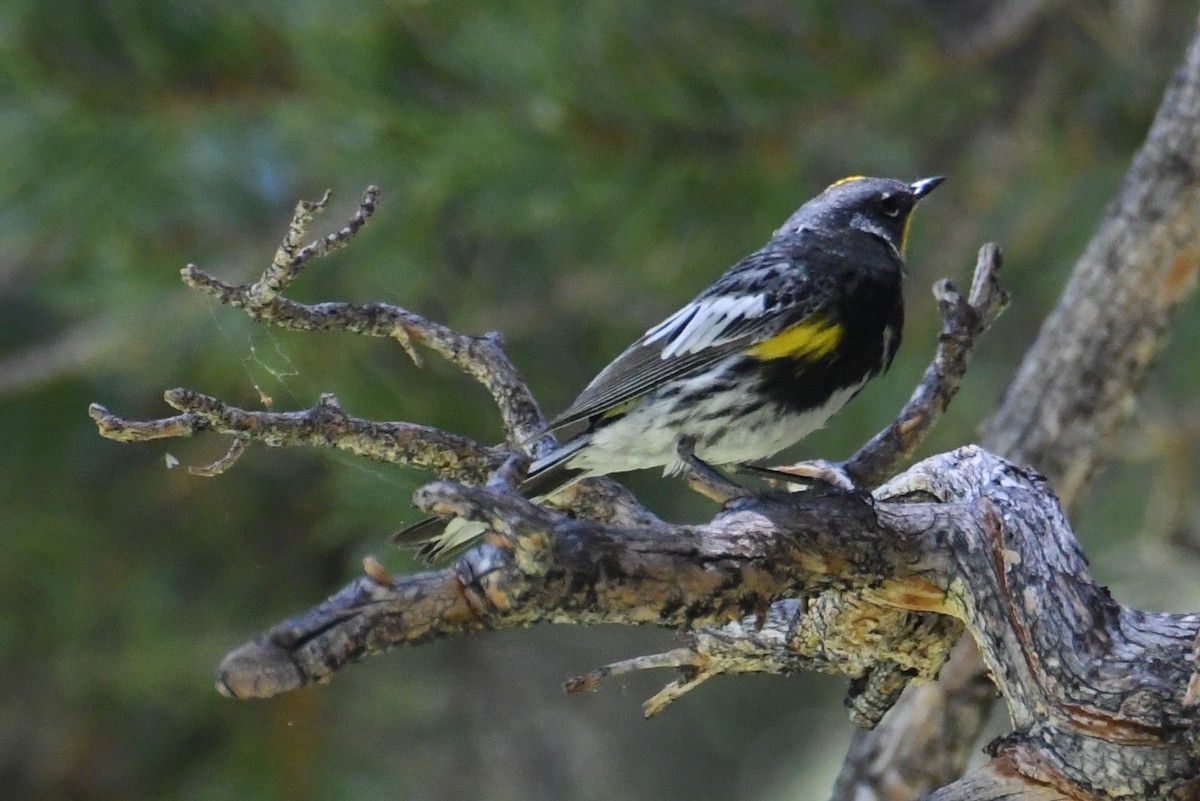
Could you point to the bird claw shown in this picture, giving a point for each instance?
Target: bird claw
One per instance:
(804, 475)
(703, 477)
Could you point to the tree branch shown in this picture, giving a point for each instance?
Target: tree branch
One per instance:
(879, 647)
(875, 588)
(964, 320)
(878, 679)
(1095, 690)
(1073, 392)
(448, 455)
(324, 425)
(483, 358)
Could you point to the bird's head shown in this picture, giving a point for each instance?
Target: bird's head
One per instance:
(879, 206)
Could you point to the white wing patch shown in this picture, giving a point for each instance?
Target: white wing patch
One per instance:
(698, 325)
(671, 324)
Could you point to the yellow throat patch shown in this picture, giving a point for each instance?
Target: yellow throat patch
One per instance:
(809, 339)
(904, 234)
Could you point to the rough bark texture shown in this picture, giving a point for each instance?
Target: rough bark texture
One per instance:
(1077, 384)
(1095, 690)
(1075, 388)
(877, 587)
(901, 645)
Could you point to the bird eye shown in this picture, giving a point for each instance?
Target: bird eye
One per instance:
(890, 205)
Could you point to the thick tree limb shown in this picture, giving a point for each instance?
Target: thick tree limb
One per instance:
(1076, 386)
(777, 581)
(1095, 690)
(1074, 390)
(878, 679)
(882, 648)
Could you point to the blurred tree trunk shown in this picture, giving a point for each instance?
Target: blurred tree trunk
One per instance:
(1075, 389)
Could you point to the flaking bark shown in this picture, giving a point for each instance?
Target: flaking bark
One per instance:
(1095, 690)
(874, 587)
(1075, 389)
(877, 588)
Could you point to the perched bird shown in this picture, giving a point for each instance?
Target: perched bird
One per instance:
(754, 363)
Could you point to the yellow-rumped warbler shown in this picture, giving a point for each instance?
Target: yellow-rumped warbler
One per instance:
(754, 363)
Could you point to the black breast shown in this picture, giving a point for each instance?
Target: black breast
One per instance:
(867, 303)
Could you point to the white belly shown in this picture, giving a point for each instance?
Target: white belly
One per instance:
(641, 440)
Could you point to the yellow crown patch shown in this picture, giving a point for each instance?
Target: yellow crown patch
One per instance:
(849, 179)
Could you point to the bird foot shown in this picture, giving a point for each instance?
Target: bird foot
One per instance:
(704, 478)
(804, 475)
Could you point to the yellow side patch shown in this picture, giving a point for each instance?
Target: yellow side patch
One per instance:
(849, 179)
(810, 339)
(620, 409)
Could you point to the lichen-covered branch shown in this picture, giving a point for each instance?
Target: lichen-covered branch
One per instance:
(1074, 390)
(880, 649)
(450, 456)
(1095, 690)
(877, 678)
(483, 357)
(877, 588)
(325, 425)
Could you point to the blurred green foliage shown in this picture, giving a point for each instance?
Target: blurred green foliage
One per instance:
(563, 172)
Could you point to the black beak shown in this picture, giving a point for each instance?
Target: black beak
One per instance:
(924, 186)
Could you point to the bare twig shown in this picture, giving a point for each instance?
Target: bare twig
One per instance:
(483, 358)
(290, 259)
(963, 321)
(824, 633)
(449, 456)
(116, 428)
(237, 447)
(324, 425)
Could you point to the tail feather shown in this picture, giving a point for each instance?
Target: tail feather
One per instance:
(435, 538)
(552, 473)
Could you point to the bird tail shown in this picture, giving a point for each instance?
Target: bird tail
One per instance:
(435, 538)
